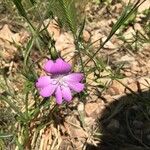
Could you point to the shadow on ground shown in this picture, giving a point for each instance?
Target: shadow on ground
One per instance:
(125, 124)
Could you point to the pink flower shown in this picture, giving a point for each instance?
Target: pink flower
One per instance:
(61, 82)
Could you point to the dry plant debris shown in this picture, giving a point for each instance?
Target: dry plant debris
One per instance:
(80, 126)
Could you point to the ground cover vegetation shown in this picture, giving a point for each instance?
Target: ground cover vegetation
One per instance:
(74, 74)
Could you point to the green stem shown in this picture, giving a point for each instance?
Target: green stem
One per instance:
(26, 105)
(119, 23)
(82, 64)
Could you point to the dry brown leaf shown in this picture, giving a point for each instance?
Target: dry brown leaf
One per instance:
(93, 109)
(7, 35)
(65, 45)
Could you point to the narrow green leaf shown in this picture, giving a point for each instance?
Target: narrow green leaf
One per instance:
(15, 108)
(66, 12)
(20, 8)
(28, 51)
(81, 28)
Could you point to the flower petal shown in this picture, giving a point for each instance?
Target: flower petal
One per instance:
(77, 87)
(74, 77)
(48, 66)
(43, 81)
(66, 93)
(58, 95)
(48, 90)
(57, 67)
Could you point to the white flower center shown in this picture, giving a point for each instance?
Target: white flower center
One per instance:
(59, 80)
